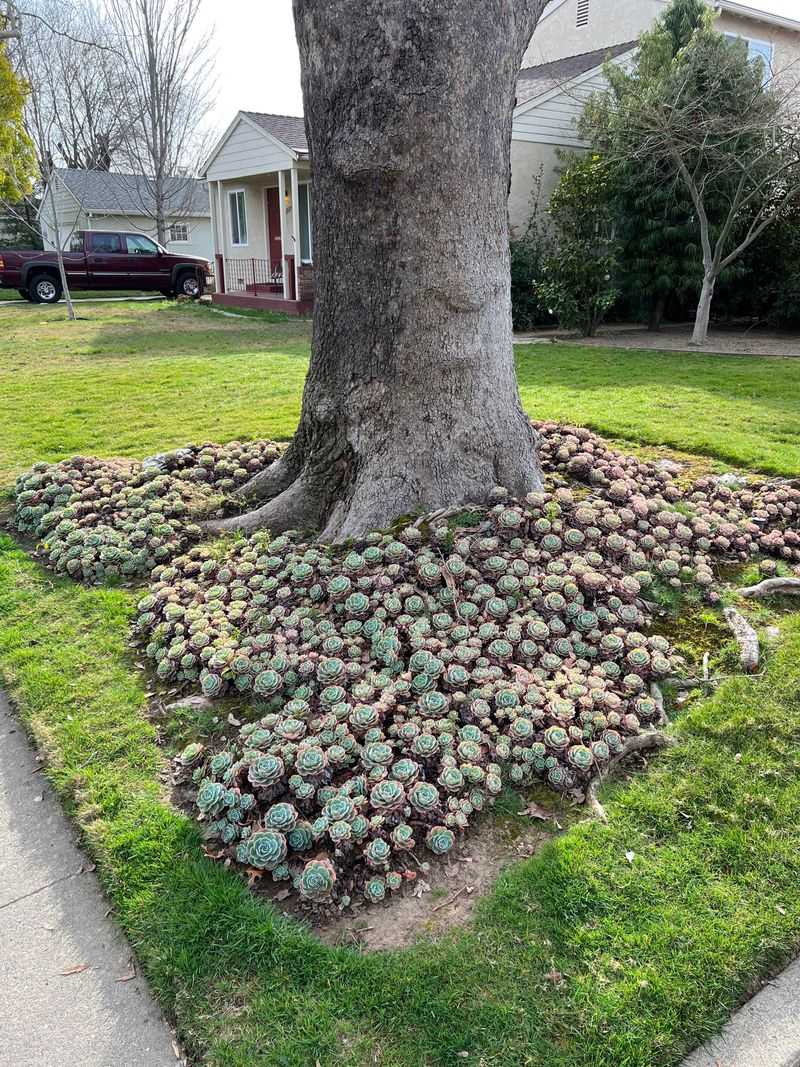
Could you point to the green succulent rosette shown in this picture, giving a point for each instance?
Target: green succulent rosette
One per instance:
(211, 797)
(266, 849)
(281, 817)
(440, 840)
(378, 852)
(316, 881)
(424, 797)
(375, 889)
(387, 796)
(265, 771)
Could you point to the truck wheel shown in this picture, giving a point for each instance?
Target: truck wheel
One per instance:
(44, 289)
(188, 284)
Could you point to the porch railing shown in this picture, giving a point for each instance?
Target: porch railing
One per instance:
(255, 276)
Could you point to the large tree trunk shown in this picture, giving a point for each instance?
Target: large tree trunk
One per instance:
(700, 331)
(411, 400)
(657, 308)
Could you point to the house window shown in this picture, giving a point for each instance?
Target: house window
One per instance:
(582, 13)
(763, 50)
(179, 231)
(238, 217)
(306, 251)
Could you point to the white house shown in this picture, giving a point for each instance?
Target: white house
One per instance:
(563, 65)
(259, 187)
(106, 200)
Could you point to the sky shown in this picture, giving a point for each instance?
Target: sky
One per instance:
(257, 63)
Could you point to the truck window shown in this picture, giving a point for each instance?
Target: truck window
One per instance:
(106, 242)
(138, 245)
(76, 243)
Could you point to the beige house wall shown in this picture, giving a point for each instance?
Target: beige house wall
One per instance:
(255, 207)
(529, 160)
(785, 43)
(611, 22)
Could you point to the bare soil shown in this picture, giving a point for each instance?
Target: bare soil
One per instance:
(441, 898)
(756, 341)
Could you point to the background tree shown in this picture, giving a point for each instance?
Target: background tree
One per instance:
(168, 75)
(17, 156)
(706, 119)
(80, 81)
(411, 400)
(659, 250)
(578, 278)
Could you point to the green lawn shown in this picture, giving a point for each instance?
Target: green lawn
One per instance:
(131, 379)
(615, 946)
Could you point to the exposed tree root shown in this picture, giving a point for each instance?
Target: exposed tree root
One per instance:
(270, 482)
(746, 638)
(638, 743)
(772, 587)
(658, 696)
(292, 509)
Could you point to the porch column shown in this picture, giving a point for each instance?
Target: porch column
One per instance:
(221, 234)
(296, 229)
(284, 230)
(216, 232)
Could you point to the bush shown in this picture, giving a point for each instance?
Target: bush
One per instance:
(578, 278)
(528, 253)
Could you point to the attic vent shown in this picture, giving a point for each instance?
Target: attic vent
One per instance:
(582, 13)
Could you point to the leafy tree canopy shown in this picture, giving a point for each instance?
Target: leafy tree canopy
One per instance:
(17, 157)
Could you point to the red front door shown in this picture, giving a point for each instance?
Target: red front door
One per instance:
(274, 230)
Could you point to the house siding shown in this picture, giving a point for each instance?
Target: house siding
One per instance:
(247, 151)
(610, 22)
(613, 21)
(529, 160)
(255, 207)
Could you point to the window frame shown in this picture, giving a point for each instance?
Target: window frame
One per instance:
(179, 240)
(240, 216)
(108, 251)
(769, 64)
(140, 252)
(308, 215)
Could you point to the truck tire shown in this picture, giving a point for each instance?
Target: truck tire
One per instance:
(44, 289)
(188, 284)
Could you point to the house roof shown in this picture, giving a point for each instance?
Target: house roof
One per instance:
(533, 81)
(289, 129)
(132, 194)
(772, 18)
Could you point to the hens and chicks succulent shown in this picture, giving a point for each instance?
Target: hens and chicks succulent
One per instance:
(397, 683)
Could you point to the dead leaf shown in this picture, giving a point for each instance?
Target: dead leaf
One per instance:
(534, 811)
(284, 894)
(780, 910)
(554, 976)
(77, 969)
(126, 977)
(38, 799)
(233, 721)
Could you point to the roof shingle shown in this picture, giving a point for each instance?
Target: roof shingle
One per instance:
(290, 129)
(132, 194)
(533, 81)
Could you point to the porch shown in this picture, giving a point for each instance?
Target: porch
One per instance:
(259, 182)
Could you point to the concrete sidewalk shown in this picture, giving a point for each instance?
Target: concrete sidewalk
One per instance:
(67, 998)
(765, 1032)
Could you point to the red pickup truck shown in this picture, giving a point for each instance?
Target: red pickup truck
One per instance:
(104, 259)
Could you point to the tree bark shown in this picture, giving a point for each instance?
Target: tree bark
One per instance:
(657, 309)
(700, 331)
(411, 401)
